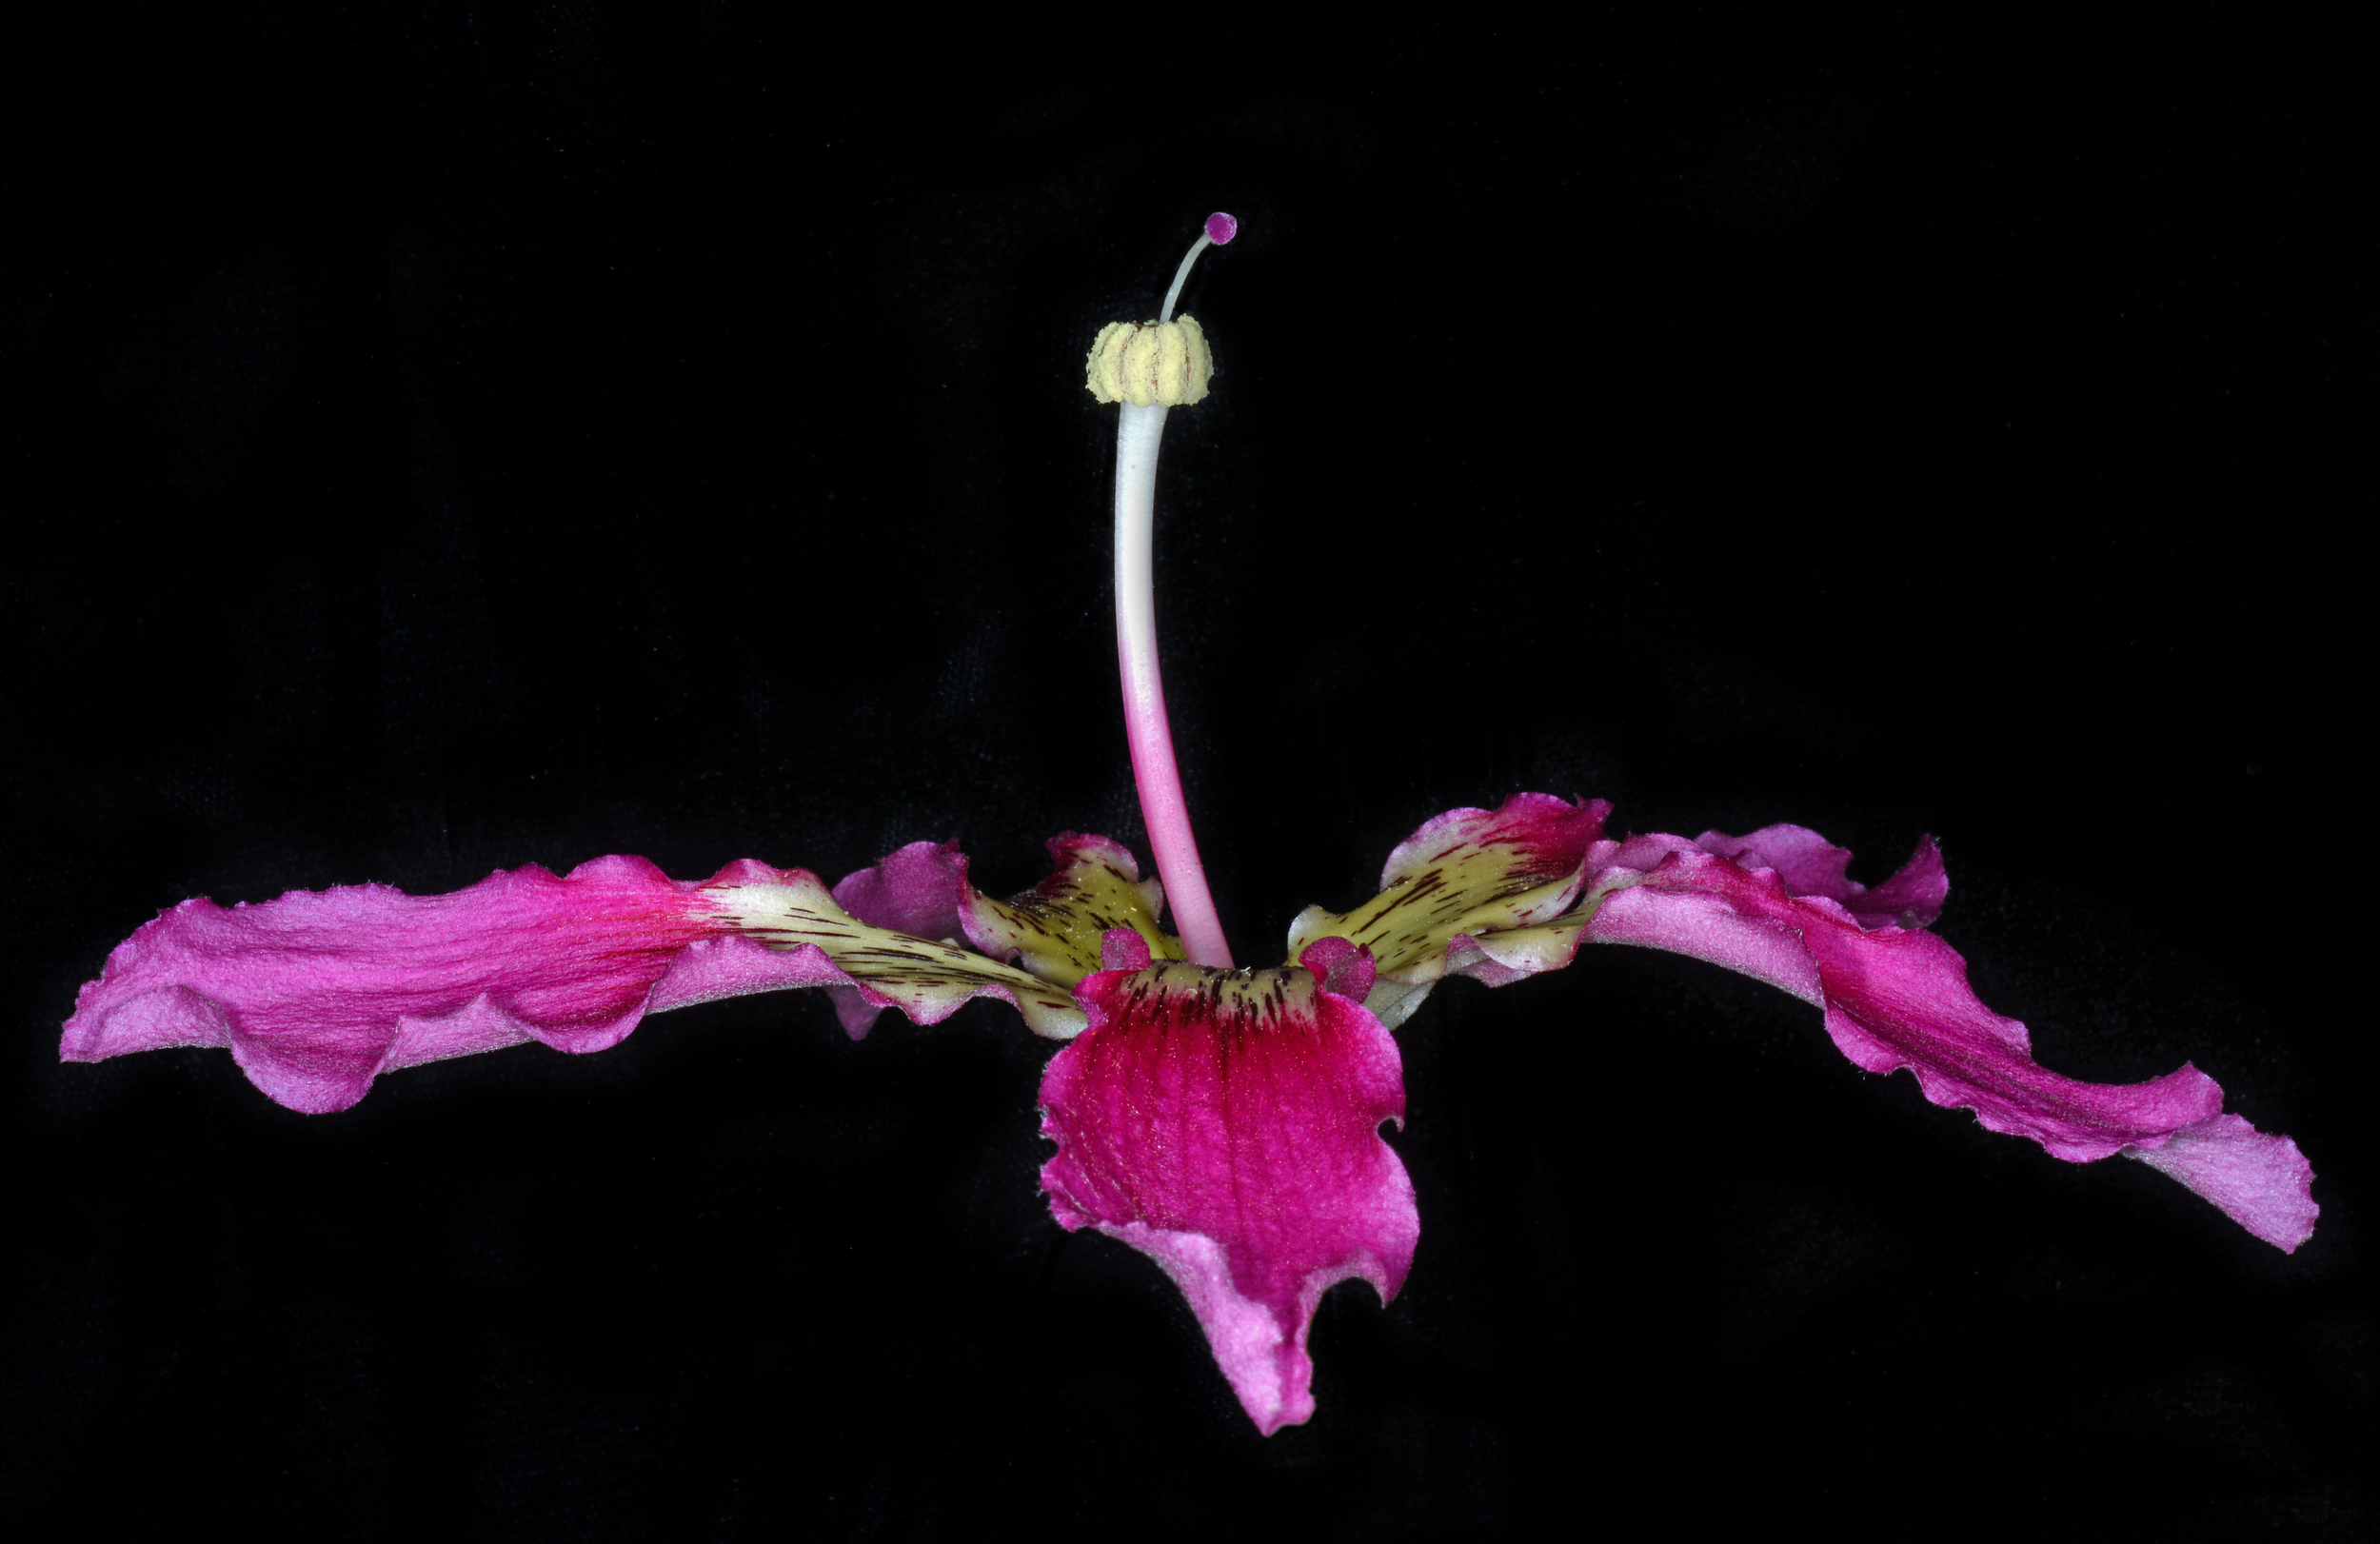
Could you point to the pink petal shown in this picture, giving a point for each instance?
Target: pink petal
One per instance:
(913, 890)
(2262, 1182)
(1055, 929)
(1226, 1124)
(1051, 931)
(315, 994)
(1810, 865)
(1899, 998)
(1124, 948)
(1466, 874)
(1543, 838)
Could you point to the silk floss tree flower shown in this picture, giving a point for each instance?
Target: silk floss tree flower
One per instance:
(1225, 1122)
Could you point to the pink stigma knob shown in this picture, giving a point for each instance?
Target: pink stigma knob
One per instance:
(1221, 228)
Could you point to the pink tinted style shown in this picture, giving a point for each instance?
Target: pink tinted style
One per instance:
(1234, 1140)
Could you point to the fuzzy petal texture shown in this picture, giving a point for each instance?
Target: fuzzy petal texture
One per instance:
(1226, 1124)
(913, 890)
(1895, 997)
(926, 980)
(1055, 930)
(315, 994)
(318, 993)
(1501, 946)
(1466, 872)
(1810, 865)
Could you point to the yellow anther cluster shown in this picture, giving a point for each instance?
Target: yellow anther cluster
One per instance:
(1151, 363)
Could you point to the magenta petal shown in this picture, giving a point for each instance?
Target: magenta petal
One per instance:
(1543, 838)
(1344, 967)
(1058, 929)
(1810, 865)
(1899, 998)
(315, 994)
(913, 890)
(1464, 877)
(1227, 1125)
(1124, 948)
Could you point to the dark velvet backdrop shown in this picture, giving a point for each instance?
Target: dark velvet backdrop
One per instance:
(450, 439)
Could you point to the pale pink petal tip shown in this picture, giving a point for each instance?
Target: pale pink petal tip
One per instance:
(1898, 997)
(1226, 1124)
(2263, 1183)
(1221, 228)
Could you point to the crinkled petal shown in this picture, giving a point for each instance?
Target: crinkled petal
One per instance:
(2262, 1182)
(913, 890)
(1780, 906)
(925, 980)
(1897, 997)
(1465, 873)
(1227, 1125)
(317, 993)
(1810, 865)
(1502, 947)
(1054, 930)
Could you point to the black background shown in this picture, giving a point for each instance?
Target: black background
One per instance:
(441, 440)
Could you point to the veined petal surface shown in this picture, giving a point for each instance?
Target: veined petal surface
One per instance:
(1810, 865)
(1778, 905)
(1055, 929)
(925, 980)
(1472, 892)
(1464, 873)
(1897, 997)
(913, 890)
(317, 993)
(1226, 1124)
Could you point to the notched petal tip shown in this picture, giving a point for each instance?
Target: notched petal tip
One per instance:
(1227, 1125)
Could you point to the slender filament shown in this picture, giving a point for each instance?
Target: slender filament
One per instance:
(1162, 808)
(1182, 274)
